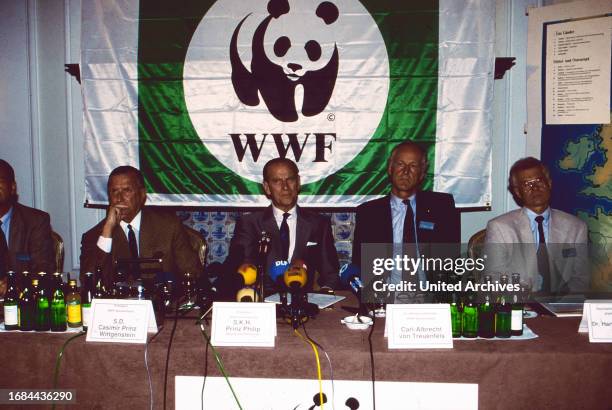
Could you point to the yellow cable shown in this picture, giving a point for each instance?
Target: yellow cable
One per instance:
(316, 352)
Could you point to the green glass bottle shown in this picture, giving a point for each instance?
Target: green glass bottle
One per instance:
(503, 311)
(43, 310)
(470, 318)
(73, 305)
(516, 321)
(87, 295)
(26, 306)
(486, 313)
(58, 304)
(456, 315)
(11, 300)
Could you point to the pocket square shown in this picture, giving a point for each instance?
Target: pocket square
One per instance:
(311, 243)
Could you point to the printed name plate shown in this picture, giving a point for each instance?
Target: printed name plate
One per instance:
(419, 326)
(599, 320)
(243, 324)
(121, 321)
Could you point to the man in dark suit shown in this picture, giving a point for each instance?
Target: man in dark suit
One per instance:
(25, 233)
(131, 230)
(295, 233)
(408, 215)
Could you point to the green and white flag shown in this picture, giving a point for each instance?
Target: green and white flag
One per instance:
(200, 94)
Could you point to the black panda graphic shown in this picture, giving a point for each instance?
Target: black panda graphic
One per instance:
(277, 83)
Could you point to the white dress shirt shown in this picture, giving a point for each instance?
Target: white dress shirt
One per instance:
(106, 244)
(291, 222)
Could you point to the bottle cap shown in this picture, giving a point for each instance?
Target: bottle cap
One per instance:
(35, 282)
(72, 282)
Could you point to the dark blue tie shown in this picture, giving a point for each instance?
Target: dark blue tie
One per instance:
(284, 237)
(542, 256)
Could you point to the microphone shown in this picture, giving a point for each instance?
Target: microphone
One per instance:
(248, 273)
(295, 277)
(350, 275)
(277, 273)
(228, 284)
(247, 294)
(264, 244)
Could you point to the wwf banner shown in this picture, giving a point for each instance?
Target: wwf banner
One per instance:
(200, 94)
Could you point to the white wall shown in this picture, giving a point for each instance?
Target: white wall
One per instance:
(41, 135)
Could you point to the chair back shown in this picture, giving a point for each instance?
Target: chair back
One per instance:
(58, 248)
(476, 244)
(198, 244)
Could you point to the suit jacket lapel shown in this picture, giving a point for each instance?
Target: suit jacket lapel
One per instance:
(386, 224)
(523, 228)
(302, 234)
(555, 233)
(268, 224)
(145, 235)
(120, 244)
(17, 230)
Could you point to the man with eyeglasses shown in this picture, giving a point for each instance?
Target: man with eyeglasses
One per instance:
(295, 234)
(553, 264)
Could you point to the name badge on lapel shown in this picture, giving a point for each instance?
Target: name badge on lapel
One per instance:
(427, 225)
(569, 253)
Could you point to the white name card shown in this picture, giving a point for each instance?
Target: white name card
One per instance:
(419, 326)
(121, 321)
(243, 324)
(599, 320)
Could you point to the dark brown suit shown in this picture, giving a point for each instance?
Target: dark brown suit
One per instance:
(30, 235)
(160, 232)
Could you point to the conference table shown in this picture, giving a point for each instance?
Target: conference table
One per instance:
(558, 370)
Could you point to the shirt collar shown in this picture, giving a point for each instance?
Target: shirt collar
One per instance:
(397, 202)
(532, 215)
(135, 222)
(278, 213)
(6, 219)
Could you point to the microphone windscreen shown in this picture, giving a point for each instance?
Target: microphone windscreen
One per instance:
(277, 269)
(349, 271)
(248, 272)
(295, 277)
(247, 295)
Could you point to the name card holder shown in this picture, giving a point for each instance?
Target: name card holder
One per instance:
(121, 321)
(243, 324)
(598, 315)
(418, 326)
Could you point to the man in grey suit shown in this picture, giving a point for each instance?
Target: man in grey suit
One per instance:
(25, 233)
(547, 246)
(295, 233)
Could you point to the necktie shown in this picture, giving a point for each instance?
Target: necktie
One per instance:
(3, 252)
(542, 256)
(284, 237)
(408, 234)
(133, 245)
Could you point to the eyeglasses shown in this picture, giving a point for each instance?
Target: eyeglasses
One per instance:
(533, 183)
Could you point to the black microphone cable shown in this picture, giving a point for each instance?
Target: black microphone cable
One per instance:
(176, 314)
(372, 368)
(199, 321)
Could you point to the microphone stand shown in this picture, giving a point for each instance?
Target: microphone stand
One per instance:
(264, 247)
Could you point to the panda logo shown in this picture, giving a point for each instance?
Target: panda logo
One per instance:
(276, 77)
